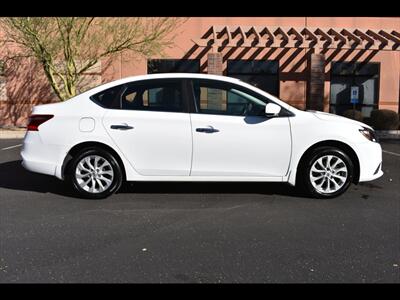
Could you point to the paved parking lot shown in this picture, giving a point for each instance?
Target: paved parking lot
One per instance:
(197, 232)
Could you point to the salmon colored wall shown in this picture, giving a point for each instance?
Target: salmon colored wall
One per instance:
(292, 62)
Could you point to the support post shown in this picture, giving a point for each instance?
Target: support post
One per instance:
(316, 83)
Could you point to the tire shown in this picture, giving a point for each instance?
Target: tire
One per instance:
(326, 172)
(82, 173)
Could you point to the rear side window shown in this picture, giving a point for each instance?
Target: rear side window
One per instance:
(153, 95)
(149, 95)
(108, 98)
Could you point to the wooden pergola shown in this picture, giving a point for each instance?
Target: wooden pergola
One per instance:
(318, 39)
(293, 37)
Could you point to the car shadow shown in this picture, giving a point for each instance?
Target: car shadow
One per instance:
(13, 176)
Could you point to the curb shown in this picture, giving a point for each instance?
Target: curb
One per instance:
(388, 134)
(12, 133)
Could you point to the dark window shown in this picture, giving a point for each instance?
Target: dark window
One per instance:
(153, 95)
(108, 98)
(173, 66)
(344, 76)
(260, 73)
(223, 98)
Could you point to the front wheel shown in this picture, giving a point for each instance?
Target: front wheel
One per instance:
(94, 173)
(326, 173)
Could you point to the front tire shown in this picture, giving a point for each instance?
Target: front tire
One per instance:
(326, 172)
(94, 173)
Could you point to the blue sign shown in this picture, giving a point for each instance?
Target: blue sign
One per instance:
(354, 95)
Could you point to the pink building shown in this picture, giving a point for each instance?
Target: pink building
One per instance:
(309, 62)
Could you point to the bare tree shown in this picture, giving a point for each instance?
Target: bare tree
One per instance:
(67, 47)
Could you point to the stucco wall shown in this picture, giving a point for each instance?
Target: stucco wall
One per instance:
(26, 85)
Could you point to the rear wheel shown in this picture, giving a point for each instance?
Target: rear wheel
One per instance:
(326, 173)
(94, 173)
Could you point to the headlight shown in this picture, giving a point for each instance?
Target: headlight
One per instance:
(369, 134)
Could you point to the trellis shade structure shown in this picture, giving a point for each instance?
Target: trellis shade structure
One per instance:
(305, 37)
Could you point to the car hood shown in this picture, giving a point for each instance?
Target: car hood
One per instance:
(335, 118)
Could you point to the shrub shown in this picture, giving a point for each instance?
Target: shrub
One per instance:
(384, 119)
(353, 114)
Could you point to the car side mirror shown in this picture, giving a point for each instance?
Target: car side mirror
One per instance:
(272, 110)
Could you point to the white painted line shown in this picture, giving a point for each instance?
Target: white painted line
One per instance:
(11, 147)
(393, 153)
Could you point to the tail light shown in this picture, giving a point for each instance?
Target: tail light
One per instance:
(36, 120)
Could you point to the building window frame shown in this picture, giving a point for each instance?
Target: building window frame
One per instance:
(357, 66)
(244, 73)
(176, 64)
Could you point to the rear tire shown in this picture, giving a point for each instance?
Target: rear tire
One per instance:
(94, 173)
(326, 172)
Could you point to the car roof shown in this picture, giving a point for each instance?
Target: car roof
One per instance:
(160, 76)
(180, 75)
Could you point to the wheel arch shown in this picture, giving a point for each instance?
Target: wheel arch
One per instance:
(331, 143)
(84, 145)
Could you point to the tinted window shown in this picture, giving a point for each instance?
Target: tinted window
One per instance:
(153, 95)
(362, 76)
(260, 73)
(214, 97)
(173, 66)
(108, 98)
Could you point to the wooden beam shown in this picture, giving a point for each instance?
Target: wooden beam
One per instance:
(246, 42)
(395, 33)
(393, 40)
(326, 37)
(350, 36)
(337, 35)
(299, 38)
(310, 39)
(364, 36)
(260, 41)
(383, 41)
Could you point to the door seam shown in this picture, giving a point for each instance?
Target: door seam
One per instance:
(291, 149)
(191, 131)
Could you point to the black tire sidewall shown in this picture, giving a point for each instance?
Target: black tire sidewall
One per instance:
(117, 180)
(316, 154)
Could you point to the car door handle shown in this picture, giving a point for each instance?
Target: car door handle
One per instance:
(208, 129)
(121, 127)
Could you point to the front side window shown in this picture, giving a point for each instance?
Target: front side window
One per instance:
(154, 95)
(222, 98)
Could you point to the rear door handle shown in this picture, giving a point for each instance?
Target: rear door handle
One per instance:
(121, 127)
(208, 129)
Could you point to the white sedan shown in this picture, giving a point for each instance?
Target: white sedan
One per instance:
(195, 127)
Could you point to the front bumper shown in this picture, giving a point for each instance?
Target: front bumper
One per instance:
(370, 158)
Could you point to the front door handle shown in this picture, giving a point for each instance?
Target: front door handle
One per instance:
(208, 129)
(121, 127)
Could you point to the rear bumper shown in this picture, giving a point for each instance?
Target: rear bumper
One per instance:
(39, 157)
(39, 167)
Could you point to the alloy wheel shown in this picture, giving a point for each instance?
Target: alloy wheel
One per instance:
(328, 174)
(94, 174)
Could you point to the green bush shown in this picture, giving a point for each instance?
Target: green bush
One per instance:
(353, 114)
(384, 119)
